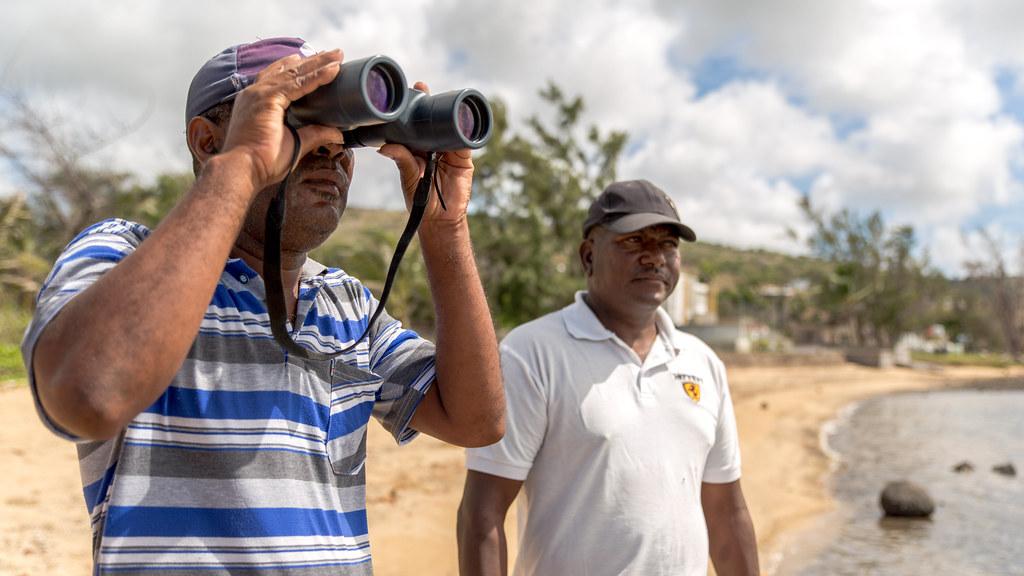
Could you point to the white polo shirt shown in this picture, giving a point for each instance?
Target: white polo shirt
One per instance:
(613, 450)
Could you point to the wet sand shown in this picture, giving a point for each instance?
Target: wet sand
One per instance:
(413, 492)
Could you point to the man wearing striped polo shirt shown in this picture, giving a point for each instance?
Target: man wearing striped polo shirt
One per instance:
(205, 448)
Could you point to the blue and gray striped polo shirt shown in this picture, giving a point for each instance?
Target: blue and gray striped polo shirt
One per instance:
(251, 462)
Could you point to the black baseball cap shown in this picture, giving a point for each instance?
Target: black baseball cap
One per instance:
(630, 205)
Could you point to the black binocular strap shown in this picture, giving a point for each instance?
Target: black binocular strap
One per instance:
(272, 258)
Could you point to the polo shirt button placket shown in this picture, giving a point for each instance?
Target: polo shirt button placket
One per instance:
(644, 385)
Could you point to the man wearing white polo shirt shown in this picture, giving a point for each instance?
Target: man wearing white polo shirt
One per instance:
(620, 428)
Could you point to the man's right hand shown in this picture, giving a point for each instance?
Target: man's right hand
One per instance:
(257, 127)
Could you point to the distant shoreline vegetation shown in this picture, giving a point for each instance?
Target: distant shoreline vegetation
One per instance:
(979, 359)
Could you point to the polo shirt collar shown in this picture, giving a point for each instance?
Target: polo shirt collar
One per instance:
(583, 324)
(311, 269)
(237, 267)
(668, 330)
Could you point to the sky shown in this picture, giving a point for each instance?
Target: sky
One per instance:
(736, 108)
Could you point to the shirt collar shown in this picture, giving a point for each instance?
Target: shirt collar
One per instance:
(311, 269)
(668, 329)
(583, 324)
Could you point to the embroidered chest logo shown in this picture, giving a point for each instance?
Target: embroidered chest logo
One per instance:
(691, 385)
(692, 390)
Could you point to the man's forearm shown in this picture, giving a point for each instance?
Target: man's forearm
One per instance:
(468, 369)
(116, 346)
(734, 545)
(486, 556)
(483, 548)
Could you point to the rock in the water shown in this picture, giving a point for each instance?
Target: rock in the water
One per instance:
(964, 466)
(906, 500)
(1005, 469)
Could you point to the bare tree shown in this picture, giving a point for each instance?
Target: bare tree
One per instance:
(1006, 291)
(46, 164)
(60, 187)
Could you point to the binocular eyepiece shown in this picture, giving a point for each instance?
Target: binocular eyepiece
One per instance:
(369, 101)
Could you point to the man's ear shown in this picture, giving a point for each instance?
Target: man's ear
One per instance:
(587, 256)
(205, 138)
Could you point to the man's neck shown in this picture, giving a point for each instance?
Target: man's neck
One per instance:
(637, 329)
(291, 268)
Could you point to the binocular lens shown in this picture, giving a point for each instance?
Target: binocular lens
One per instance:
(467, 120)
(381, 90)
(473, 119)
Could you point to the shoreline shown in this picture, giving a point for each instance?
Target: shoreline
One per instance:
(413, 492)
(787, 469)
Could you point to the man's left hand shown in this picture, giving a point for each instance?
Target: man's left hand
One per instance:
(454, 178)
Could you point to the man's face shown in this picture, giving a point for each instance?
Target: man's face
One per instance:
(316, 198)
(637, 269)
(317, 195)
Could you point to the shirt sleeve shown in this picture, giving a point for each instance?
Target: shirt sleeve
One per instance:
(84, 260)
(723, 461)
(405, 362)
(526, 422)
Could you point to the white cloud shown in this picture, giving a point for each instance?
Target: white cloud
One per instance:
(723, 156)
(949, 247)
(612, 53)
(930, 172)
(991, 30)
(851, 57)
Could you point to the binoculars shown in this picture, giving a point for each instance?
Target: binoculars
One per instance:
(369, 101)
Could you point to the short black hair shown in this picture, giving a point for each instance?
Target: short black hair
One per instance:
(219, 115)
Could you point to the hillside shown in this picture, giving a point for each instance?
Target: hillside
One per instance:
(755, 266)
(745, 267)
(356, 221)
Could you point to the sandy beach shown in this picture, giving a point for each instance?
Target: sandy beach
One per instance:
(413, 492)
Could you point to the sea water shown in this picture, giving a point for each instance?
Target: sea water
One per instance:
(978, 524)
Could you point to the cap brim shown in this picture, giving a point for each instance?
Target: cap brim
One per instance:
(634, 222)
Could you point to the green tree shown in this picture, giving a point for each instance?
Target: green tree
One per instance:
(530, 199)
(22, 270)
(48, 163)
(149, 204)
(876, 286)
(21, 274)
(970, 315)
